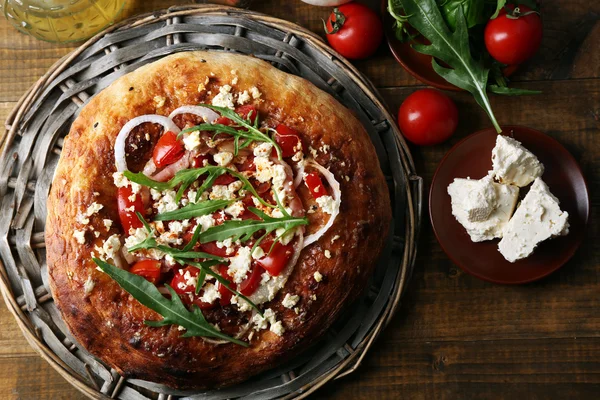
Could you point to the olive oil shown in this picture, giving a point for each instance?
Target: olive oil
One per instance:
(61, 20)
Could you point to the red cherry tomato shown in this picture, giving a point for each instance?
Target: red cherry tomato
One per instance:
(288, 140)
(198, 161)
(212, 248)
(179, 281)
(427, 117)
(168, 149)
(127, 208)
(354, 30)
(315, 185)
(225, 179)
(226, 294)
(149, 269)
(276, 261)
(247, 165)
(514, 37)
(252, 281)
(247, 111)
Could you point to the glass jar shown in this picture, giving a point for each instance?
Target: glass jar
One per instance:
(61, 20)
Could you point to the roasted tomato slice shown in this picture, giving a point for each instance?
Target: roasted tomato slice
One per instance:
(252, 282)
(315, 185)
(149, 269)
(226, 294)
(198, 161)
(168, 149)
(225, 179)
(276, 261)
(179, 283)
(128, 207)
(288, 140)
(212, 248)
(247, 111)
(247, 165)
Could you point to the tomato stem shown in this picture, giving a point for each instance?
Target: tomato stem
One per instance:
(336, 23)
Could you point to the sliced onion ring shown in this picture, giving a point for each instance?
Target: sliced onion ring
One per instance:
(120, 159)
(209, 115)
(299, 170)
(337, 196)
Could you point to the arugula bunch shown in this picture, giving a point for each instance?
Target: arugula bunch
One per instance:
(446, 24)
(243, 129)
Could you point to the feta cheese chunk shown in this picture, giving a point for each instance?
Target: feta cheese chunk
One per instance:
(514, 164)
(538, 218)
(482, 206)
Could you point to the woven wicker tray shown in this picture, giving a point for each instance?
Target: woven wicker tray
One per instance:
(32, 145)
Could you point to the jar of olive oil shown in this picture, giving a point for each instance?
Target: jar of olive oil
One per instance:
(61, 20)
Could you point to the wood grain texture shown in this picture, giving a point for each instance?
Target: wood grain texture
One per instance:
(455, 337)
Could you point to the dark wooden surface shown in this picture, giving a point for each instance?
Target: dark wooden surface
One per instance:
(454, 337)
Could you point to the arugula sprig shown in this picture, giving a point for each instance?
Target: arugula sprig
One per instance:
(173, 311)
(250, 131)
(186, 177)
(193, 210)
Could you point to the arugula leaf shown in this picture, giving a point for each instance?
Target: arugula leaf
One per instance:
(452, 48)
(499, 6)
(193, 210)
(224, 282)
(173, 311)
(473, 11)
(243, 230)
(508, 91)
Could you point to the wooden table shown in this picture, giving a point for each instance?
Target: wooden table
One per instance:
(455, 336)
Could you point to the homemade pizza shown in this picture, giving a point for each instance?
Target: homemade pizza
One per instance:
(210, 217)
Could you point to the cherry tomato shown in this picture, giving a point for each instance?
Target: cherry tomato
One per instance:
(168, 149)
(212, 248)
(277, 259)
(252, 281)
(315, 185)
(198, 161)
(247, 165)
(427, 117)
(354, 30)
(179, 281)
(288, 139)
(149, 269)
(127, 208)
(226, 294)
(514, 37)
(247, 111)
(225, 179)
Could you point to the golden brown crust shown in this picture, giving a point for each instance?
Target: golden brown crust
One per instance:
(109, 322)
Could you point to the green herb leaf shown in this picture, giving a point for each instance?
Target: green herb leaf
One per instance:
(452, 48)
(173, 311)
(473, 11)
(499, 6)
(243, 230)
(508, 91)
(193, 210)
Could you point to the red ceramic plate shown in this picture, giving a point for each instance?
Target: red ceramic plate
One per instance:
(471, 157)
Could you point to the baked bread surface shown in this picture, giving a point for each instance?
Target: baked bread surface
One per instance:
(109, 322)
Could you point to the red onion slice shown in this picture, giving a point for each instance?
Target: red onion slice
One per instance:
(209, 115)
(170, 170)
(337, 197)
(120, 160)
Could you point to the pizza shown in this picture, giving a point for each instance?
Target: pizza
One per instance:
(210, 217)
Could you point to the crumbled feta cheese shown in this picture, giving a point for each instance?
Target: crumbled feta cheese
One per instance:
(263, 150)
(313, 297)
(223, 159)
(121, 181)
(159, 101)
(277, 328)
(336, 237)
(138, 236)
(191, 140)
(241, 304)
(178, 227)
(290, 301)
(513, 163)
(79, 236)
(327, 253)
(298, 156)
(211, 293)
(243, 97)
(258, 253)
(236, 209)
(287, 238)
(263, 322)
(224, 98)
(207, 221)
(82, 219)
(93, 209)
(255, 92)
(111, 246)
(88, 286)
(318, 277)
(327, 204)
(156, 195)
(167, 202)
(168, 238)
(235, 186)
(239, 265)
(264, 278)
(107, 223)
(221, 192)
(234, 81)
